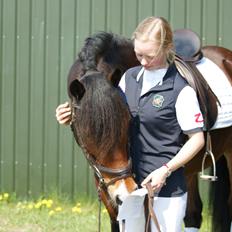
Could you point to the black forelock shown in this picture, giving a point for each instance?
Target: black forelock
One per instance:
(94, 47)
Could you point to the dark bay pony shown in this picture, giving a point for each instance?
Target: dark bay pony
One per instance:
(100, 116)
(92, 83)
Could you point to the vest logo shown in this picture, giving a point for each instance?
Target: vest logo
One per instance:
(158, 101)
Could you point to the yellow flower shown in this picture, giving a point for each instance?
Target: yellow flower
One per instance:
(1, 197)
(38, 205)
(52, 212)
(79, 210)
(6, 196)
(50, 201)
(76, 209)
(49, 205)
(58, 209)
(30, 206)
(44, 202)
(78, 204)
(104, 211)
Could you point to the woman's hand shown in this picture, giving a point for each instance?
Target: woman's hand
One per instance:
(63, 114)
(157, 178)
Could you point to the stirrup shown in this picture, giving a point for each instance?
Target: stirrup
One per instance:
(208, 153)
(203, 175)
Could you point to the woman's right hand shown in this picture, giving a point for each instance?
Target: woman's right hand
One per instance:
(63, 114)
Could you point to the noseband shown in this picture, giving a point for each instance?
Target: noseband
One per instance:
(116, 173)
(99, 170)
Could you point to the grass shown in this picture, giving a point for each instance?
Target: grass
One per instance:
(55, 214)
(51, 215)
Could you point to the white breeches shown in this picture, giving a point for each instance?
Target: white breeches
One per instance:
(169, 212)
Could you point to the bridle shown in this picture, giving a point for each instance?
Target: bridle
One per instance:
(99, 169)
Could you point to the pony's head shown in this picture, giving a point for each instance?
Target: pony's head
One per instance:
(100, 115)
(100, 122)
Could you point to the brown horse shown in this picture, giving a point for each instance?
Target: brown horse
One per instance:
(101, 118)
(111, 55)
(221, 145)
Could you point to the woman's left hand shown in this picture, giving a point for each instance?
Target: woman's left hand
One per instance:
(157, 179)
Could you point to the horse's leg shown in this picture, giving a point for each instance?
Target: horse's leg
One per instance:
(219, 193)
(229, 165)
(193, 217)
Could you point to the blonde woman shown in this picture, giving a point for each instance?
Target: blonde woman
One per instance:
(164, 111)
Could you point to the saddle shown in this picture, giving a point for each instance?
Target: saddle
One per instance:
(187, 45)
(188, 53)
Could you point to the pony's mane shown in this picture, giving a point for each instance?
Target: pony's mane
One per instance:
(102, 117)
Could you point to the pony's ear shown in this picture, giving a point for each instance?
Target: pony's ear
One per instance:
(77, 89)
(116, 77)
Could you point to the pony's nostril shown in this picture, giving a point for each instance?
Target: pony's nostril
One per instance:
(118, 200)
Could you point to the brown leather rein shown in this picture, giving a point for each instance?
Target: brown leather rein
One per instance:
(150, 211)
(116, 173)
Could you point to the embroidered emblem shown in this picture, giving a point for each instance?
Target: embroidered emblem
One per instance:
(158, 101)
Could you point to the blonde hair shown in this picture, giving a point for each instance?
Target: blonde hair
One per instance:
(158, 30)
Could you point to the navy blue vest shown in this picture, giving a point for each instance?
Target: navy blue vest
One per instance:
(155, 133)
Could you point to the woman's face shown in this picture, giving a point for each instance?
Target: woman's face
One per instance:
(150, 55)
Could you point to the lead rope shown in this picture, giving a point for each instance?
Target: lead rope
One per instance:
(99, 209)
(151, 213)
